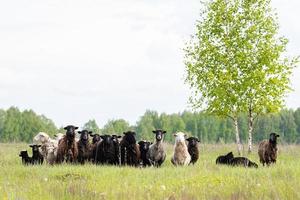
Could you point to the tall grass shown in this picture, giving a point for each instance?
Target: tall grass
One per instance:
(204, 180)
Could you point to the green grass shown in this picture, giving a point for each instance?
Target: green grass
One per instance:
(204, 180)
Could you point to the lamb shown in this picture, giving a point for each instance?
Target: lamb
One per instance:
(157, 152)
(84, 146)
(130, 152)
(48, 147)
(67, 147)
(144, 148)
(225, 159)
(267, 150)
(181, 155)
(193, 149)
(37, 157)
(25, 158)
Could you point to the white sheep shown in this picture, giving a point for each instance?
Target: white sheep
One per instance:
(181, 154)
(48, 148)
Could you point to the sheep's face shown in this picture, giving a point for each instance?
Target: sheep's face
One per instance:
(159, 134)
(129, 136)
(144, 145)
(84, 135)
(273, 137)
(41, 138)
(116, 138)
(107, 140)
(179, 137)
(96, 138)
(193, 141)
(35, 147)
(70, 131)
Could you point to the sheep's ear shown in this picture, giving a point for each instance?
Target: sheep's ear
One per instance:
(66, 128)
(124, 133)
(277, 135)
(188, 139)
(76, 128)
(151, 143)
(175, 134)
(39, 145)
(79, 132)
(102, 137)
(31, 145)
(153, 131)
(164, 131)
(90, 132)
(55, 135)
(119, 136)
(140, 142)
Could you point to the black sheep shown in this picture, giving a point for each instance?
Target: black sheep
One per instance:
(106, 151)
(84, 146)
(225, 159)
(37, 157)
(193, 149)
(130, 152)
(144, 148)
(95, 140)
(25, 158)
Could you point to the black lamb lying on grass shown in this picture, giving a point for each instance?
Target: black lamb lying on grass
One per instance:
(229, 159)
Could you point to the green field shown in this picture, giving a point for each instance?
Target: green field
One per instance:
(204, 180)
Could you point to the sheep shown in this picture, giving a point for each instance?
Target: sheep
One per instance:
(25, 158)
(144, 148)
(157, 152)
(130, 152)
(225, 159)
(267, 150)
(116, 139)
(181, 155)
(193, 149)
(48, 147)
(95, 140)
(242, 161)
(84, 146)
(106, 151)
(67, 147)
(37, 157)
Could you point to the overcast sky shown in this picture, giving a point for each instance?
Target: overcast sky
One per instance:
(105, 59)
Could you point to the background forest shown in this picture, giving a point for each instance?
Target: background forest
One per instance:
(21, 126)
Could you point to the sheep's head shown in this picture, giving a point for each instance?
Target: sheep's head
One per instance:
(96, 138)
(84, 135)
(107, 140)
(116, 138)
(35, 147)
(273, 138)
(179, 137)
(159, 134)
(70, 131)
(41, 138)
(144, 145)
(229, 156)
(129, 136)
(193, 141)
(23, 154)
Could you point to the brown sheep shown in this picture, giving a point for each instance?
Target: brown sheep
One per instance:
(267, 150)
(67, 146)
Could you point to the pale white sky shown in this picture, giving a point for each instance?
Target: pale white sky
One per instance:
(77, 60)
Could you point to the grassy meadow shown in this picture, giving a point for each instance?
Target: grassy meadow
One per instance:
(204, 180)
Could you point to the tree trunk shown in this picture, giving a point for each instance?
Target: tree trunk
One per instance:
(237, 136)
(250, 131)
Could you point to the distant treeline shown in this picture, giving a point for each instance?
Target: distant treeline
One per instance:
(22, 126)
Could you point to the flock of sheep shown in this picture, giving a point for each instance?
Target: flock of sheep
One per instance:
(125, 150)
